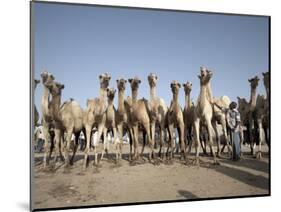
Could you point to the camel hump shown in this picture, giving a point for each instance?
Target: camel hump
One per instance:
(223, 101)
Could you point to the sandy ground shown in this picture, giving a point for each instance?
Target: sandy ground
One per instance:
(109, 183)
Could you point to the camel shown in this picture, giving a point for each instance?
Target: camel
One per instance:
(36, 114)
(158, 110)
(219, 117)
(123, 114)
(204, 111)
(188, 114)
(140, 116)
(110, 124)
(261, 114)
(47, 119)
(175, 120)
(95, 116)
(68, 118)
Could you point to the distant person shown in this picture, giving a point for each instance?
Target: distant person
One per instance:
(233, 121)
(39, 139)
(82, 141)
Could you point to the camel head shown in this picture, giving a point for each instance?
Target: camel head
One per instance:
(205, 75)
(110, 93)
(187, 87)
(266, 79)
(175, 87)
(254, 82)
(55, 88)
(104, 80)
(47, 78)
(121, 84)
(134, 83)
(36, 82)
(152, 79)
(243, 105)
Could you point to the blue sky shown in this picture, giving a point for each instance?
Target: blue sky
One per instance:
(77, 43)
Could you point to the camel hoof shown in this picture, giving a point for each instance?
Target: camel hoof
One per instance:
(216, 162)
(259, 156)
(156, 162)
(196, 161)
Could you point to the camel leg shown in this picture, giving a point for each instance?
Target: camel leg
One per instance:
(182, 140)
(171, 142)
(136, 141)
(105, 141)
(100, 130)
(209, 128)
(259, 156)
(57, 144)
(196, 128)
(143, 142)
(252, 143)
(76, 144)
(131, 135)
(150, 141)
(189, 130)
(120, 131)
(224, 129)
(68, 143)
(215, 127)
(116, 145)
(162, 132)
(88, 145)
(47, 144)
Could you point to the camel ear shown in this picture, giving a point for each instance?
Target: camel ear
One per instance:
(156, 77)
(183, 84)
(238, 98)
(100, 76)
(179, 84)
(117, 80)
(109, 77)
(263, 73)
(130, 80)
(52, 77)
(125, 81)
(249, 80)
(191, 84)
(62, 86)
(199, 76)
(139, 81)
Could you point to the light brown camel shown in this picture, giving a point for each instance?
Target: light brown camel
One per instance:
(175, 120)
(95, 116)
(140, 116)
(158, 111)
(47, 118)
(261, 114)
(188, 114)
(246, 109)
(110, 124)
(123, 114)
(36, 114)
(219, 118)
(204, 111)
(67, 118)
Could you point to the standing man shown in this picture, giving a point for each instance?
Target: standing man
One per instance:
(233, 121)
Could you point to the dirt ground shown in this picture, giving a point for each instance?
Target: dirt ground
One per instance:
(109, 183)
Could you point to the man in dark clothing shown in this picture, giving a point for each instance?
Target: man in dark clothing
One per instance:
(233, 121)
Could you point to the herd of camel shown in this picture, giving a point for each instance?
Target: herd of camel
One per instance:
(149, 116)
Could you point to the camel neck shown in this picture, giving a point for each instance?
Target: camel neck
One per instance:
(203, 93)
(187, 100)
(175, 97)
(55, 106)
(45, 101)
(152, 92)
(103, 93)
(253, 99)
(121, 100)
(134, 95)
(110, 101)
